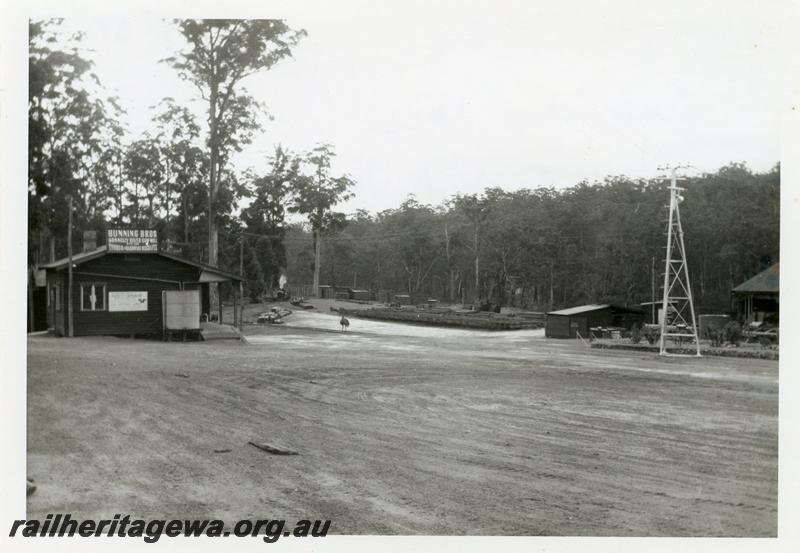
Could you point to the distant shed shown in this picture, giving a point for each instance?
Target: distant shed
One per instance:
(654, 308)
(568, 323)
(341, 293)
(326, 291)
(360, 295)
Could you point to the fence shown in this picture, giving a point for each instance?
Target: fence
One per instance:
(301, 291)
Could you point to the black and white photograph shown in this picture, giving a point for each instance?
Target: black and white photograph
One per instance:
(284, 273)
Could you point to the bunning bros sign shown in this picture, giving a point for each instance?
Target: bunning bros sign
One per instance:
(132, 240)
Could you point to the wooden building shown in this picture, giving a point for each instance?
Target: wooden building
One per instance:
(757, 299)
(569, 323)
(359, 295)
(326, 292)
(121, 292)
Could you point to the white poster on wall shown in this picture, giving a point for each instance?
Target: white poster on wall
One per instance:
(127, 301)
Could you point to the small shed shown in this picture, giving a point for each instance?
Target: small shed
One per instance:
(124, 293)
(708, 321)
(385, 296)
(360, 295)
(326, 291)
(758, 298)
(653, 309)
(341, 292)
(569, 323)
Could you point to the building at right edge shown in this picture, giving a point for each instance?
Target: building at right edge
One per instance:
(757, 299)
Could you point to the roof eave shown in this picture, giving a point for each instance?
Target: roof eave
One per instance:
(77, 259)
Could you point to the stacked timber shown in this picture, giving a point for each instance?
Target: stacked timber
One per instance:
(440, 317)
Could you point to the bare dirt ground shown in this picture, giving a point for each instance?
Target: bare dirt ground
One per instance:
(405, 430)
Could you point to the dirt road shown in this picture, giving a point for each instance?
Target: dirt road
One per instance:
(405, 430)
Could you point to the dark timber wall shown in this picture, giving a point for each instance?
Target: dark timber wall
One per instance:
(149, 273)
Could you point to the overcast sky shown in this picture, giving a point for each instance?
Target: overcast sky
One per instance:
(436, 99)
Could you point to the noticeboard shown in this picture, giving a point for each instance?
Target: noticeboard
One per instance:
(182, 309)
(132, 240)
(127, 301)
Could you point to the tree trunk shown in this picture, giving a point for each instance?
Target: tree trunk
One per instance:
(477, 267)
(70, 306)
(185, 222)
(703, 280)
(213, 290)
(40, 248)
(136, 206)
(503, 283)
(317, 251)
(730, 276)
(212, 176)
(120, 193)
(166, 201)
(332, 282)
(452, 274)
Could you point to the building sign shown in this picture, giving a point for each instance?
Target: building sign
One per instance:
(127, 301)
(132, 240)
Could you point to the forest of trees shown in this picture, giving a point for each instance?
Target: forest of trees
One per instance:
(537, 248)
(544, 248)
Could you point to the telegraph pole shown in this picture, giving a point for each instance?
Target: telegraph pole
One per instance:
(653, 290)
(70, 332)
(677, 290)
(241, 255)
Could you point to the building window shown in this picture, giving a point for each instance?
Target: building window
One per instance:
(93, 296)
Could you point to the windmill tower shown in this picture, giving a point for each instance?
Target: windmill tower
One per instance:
(678, 321)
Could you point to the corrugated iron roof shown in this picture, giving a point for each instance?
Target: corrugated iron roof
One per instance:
(79, 258)
(203, 266)
(76, 259)
(595, 307)
(765, 281)
(580, 309)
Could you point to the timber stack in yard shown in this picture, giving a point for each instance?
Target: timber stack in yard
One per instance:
(483, 320)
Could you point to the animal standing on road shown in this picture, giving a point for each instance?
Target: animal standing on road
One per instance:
(345, 323)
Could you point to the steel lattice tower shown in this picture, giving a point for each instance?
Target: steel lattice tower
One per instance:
(678, 320)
